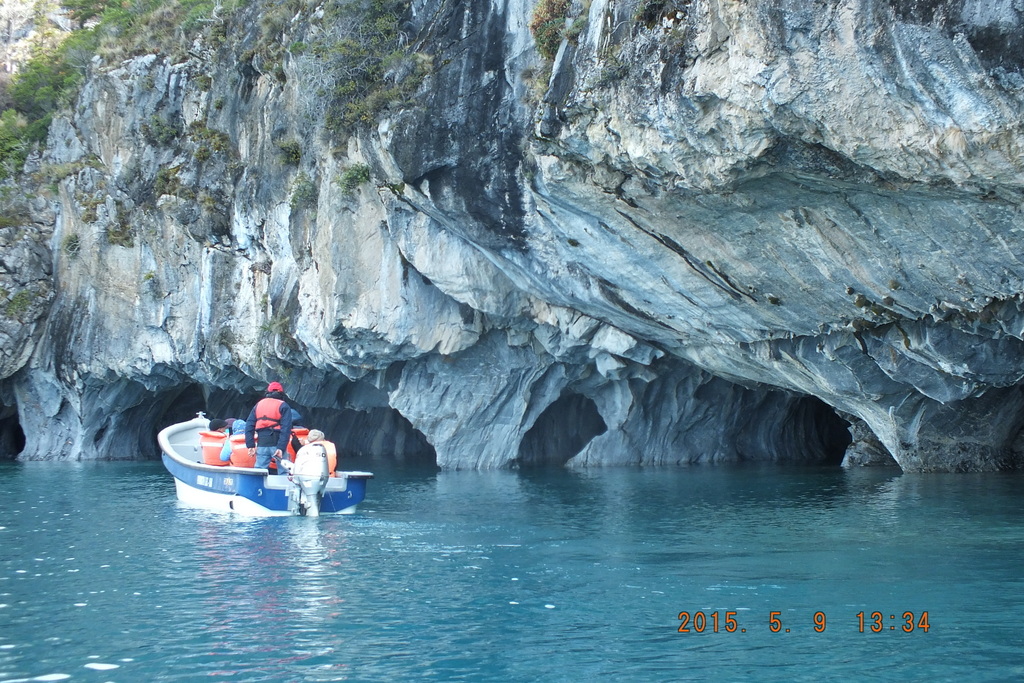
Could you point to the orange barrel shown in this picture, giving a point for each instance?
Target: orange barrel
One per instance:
(301, 433)
(240, 454)
(212, 444)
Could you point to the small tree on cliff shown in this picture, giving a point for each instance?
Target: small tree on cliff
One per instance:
(548, 26)
(361, 65)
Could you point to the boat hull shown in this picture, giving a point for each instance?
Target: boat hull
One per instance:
(247, 491)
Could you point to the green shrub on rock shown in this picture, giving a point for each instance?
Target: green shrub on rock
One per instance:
(354, 176)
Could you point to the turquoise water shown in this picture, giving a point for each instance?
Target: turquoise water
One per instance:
(553, 576)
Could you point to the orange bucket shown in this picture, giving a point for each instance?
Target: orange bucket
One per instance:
(212, 443)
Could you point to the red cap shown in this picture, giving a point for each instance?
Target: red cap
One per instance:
(275, 386)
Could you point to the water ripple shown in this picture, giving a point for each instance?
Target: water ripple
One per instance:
(501, 576)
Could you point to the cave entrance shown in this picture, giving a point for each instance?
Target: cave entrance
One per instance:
(12, 437)
(815, 433)
(166, 408)
(135, 435)
(562, 430)
(377, 433)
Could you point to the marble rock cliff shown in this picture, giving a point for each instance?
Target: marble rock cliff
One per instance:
(699, 231)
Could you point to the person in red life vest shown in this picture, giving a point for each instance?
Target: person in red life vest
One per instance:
(270, 421)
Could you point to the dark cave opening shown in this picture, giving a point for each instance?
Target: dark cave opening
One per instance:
(378, 433)
(12, 437)
(562, 430)
(183, 404)
(815, 433)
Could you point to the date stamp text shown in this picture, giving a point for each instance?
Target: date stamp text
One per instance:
(865, 622)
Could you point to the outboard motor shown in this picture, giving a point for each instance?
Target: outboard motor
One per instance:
(307, 480)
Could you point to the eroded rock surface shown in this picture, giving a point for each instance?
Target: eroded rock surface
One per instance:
(705, 233)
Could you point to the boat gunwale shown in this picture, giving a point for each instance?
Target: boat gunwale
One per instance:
(200, 423)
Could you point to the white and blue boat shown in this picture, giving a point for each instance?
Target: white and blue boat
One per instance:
(254, 491)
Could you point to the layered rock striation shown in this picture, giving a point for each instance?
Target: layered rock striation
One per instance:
(703, 232)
